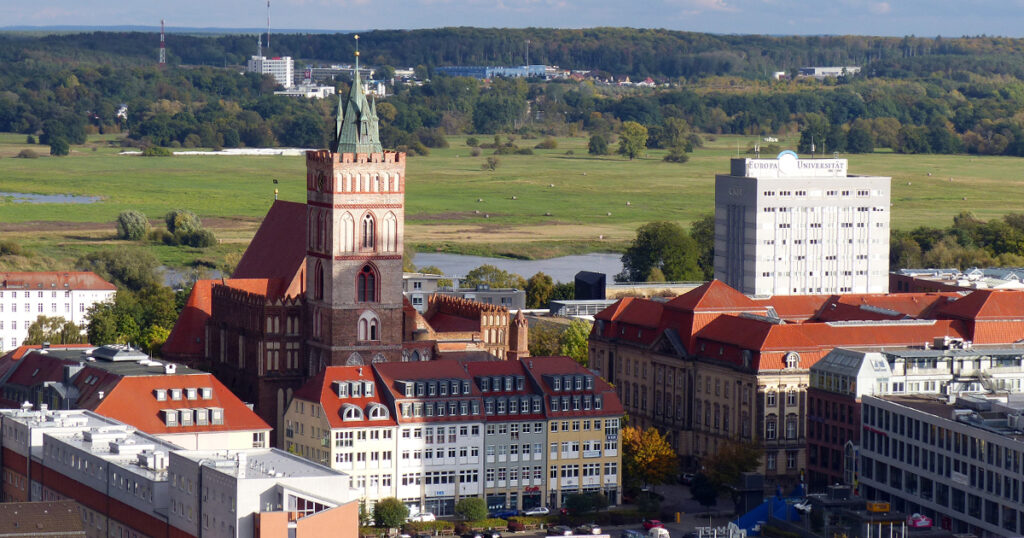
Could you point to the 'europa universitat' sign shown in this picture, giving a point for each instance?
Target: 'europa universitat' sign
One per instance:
(788, 165)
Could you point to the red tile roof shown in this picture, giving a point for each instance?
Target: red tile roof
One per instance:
(278, 250)
(715, 296)
(540, 366)
(319, 389)
(133, 402)
(448, 323)
(986, 305)
(186, 339)
(54, 280)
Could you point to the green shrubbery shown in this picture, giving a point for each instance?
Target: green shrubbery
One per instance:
(132, 225)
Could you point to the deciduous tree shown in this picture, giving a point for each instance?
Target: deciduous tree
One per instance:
(471, 508)
(663, 245)
(724, 467)
(390, 513)
(492, 276)
(55, 330)
(573, 341)
(632, 139)
(647, 458)
(538, 290)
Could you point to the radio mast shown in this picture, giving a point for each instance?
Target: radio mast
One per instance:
(163, 46)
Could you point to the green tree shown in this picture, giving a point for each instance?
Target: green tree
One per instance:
(132, 268)
(55, 330)
(182, 221)
(813, 136)
(573, 341)
(702, 231)
(860, 138)
(544, 340)
(390, 513)
(598, 145)
(471, 508)
(435, 270)
(563, 291)
(676, 155)
(489, 275)
(153, 338)
(632, 139)
(102, 328)
(703, 491)
(647, 458)
(538, 290)
(725, 466)
(132, 225)
(665, 246)
(579, 503)
(59, 147)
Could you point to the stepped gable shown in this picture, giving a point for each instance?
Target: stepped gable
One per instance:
(320, 389)
(715, 296)
(278, 250)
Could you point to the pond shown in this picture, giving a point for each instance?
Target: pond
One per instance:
(28, 198)
(562, 269)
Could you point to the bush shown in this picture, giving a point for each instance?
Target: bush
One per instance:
(182, 220)
(432, 138)
(516, 526)
(475, 152)
(27, 154)
(198, 238)
(524, 151)
(487, 523)
(598, 145)
(547, 143)
(413, 527)
(508, 149)
(156, 151)
(132, 225)
(471, 508)
(677, 155)
(10, 248)
(490, 164)
(30, 139)
(390, 513)
(472, 142)
(59, 147)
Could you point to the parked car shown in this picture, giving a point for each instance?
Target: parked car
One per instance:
(658, 532)
(504, 513)
(589, 528)
(537, 511)
(482, 534)
(630, 533)
(422, 516)
(686, 478)
(649, 524)
(559, 530)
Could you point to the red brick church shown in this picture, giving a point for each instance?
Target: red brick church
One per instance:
(321, 284)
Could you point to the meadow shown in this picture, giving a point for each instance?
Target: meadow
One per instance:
(554, 202)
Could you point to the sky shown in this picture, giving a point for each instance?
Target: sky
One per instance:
(923, 18)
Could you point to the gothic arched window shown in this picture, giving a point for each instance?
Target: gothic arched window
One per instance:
(368, 232)
(366, 285)
(318, 281)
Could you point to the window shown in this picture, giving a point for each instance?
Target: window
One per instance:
(770, 427)
(367, 284)
(368, 232)
(770, 399)
(769, 461)
(790, 398)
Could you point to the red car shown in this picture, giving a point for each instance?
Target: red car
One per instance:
(651, 523)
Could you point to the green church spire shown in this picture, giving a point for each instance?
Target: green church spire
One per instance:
(356, 129)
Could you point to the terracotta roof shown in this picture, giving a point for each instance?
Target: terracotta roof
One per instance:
(272, 288)
(540, 366)
(794, 307)
(319, 389)
(42, 518)
(54, 280)
(278, 250)
(445, 323)
(390, 372)
(132, 401)
(997, 332)
(986, 305)
(187, 336)
(717, 296)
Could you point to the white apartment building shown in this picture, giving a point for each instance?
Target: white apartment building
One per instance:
(24, 296)
(791, 226)
(281, 68)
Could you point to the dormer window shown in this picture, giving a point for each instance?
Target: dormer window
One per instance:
(429, 409)
(432, 389)
(356, 389)
(489, 406)
(508, 384)
(378, 412)
(368, 388)
(420, 388)
(590, 382)
(161, 394)
(520, 382)
(455, 388)
(501, 407)
(598, 402)
(191, 394)
(206, 393)
(557, 384)
(485, 384)
(513, 407)
(475, 406)
(579, 382)
(351, 412)
(443, 388)
(452, 408)
(175, 394)
(465, 387)
(342, 390)
(440, 409)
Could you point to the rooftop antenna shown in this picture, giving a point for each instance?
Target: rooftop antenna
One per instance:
(527, 52)
(268, 24)
(163, 48)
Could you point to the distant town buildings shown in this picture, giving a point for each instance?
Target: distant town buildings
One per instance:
(974, 278)
(307, 90)
(130, 483)
(281, 68)
(24, 296)
(790, 226)
(519, 434)
(827, 72)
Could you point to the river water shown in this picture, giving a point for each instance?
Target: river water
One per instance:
(561, 269)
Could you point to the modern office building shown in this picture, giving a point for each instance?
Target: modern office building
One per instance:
(789, 226)
(281, 68)
(130, 483)
(957, 460)
(24, 296)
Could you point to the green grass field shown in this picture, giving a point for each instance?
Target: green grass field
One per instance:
(562, 202)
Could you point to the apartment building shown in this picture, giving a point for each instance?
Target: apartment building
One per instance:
(24, 296)
(958, 463)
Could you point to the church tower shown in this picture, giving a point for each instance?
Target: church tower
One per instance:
(355, 205)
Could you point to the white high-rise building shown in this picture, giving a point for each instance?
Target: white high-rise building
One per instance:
(282, 68)
(791, 226)
(57, 294)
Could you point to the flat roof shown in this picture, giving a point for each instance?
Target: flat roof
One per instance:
(260, 463)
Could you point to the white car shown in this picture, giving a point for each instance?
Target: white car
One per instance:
(537, 511)
(422, 516)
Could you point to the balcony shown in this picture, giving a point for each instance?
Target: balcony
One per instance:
(591, 453)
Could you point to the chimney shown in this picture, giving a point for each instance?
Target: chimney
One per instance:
(170, 368)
